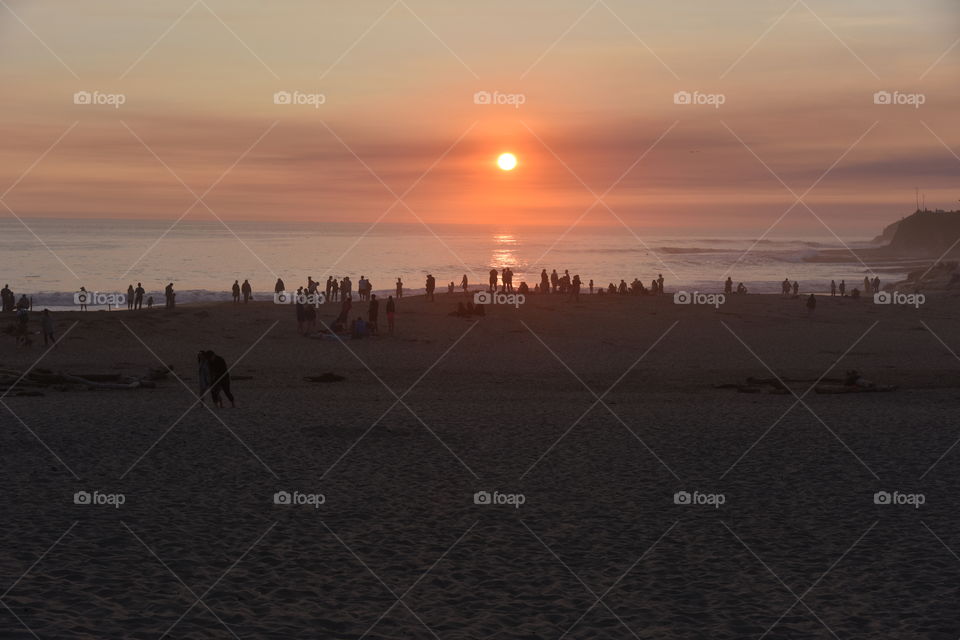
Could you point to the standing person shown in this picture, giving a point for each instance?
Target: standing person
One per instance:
(6, 297)
(310, 316)
(509, 283)
(220, 379)
(833, 288)
(138, 296)
(301, 312)
(544, 282)
(373, 315)
(811, 303)
(843, 288)
(391, 313)
(203, 373)
(785, 288)
(170, 296)
(23, 326)
(493, 280)
(46, 324)
(399, 288)
(235, 289)
(660, 284)
(796, 288)
(247, 291)
(346, 288)
(82, 297)
(728, 286)
(328, 289)
(867, 285)
(279, 287)
(431, 285)
(876, 284)
(335, 289)
(463, 284)
(575, 288)
(130, 294)
(554, 280)
(591, 286)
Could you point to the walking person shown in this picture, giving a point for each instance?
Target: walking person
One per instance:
(247, 291)
(130, 294)
(391, 313)
(399, 288)
(220, 379)
(138, 296)
(373, 315)
(463, 284)
(203, 374)
(236, 291)
(46, 324)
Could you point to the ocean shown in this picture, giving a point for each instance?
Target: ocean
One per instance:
(54, 257)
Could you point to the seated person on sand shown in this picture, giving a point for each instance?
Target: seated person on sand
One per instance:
(741, 289)
(358, 329)
(523, 289)
(855, 294)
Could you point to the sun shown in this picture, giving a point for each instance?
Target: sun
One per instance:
(507, 161)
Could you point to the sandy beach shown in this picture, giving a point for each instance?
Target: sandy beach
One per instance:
(583, 421)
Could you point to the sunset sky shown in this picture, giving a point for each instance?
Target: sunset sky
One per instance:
(597, 81)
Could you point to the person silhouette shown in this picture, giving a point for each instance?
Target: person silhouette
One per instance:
(399, 288)
(130, 294)
(811, 303)
(391, 313)
(219, 379)
(247, 291)
(833, 288)
(235, 289)
(728, 286)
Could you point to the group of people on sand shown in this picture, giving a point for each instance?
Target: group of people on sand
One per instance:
(636, 288)
(214, 377)
(728, 287)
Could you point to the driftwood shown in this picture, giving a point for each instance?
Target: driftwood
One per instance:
(777, 386)
(326, 377)
(42, 378)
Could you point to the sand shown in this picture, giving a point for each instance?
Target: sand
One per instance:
(506, 403)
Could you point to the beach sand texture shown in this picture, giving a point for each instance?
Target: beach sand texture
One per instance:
(597, 412)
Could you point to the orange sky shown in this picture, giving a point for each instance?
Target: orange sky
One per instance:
(597, 81)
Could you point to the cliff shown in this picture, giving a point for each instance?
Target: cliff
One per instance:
(926, 233)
